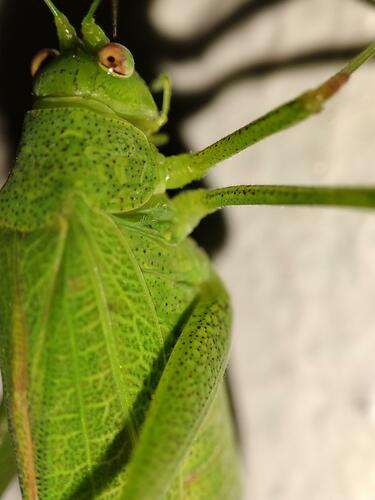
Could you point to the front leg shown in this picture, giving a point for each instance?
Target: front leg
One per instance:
(185, 392)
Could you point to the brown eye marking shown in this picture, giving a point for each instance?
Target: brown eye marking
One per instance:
(117, 59)
(40, 57)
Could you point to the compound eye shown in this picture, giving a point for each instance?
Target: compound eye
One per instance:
(116, 59)
(40, 58)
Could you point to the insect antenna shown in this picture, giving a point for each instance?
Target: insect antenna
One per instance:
(65, 31)
(95, 4)
(52, 8)
(114, 18)
(93, 35)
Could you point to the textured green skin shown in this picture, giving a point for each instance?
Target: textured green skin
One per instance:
(106, 160)
(103, 298)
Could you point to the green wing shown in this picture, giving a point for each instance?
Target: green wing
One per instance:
(92, 310)
(29, 266)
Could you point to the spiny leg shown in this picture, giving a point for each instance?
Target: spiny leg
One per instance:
(185, 168)
(183, 396)
(192, 206)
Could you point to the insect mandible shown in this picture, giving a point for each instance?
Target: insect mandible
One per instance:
(114, 328)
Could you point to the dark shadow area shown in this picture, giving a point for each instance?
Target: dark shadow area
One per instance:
(109, 466)
(369, 2)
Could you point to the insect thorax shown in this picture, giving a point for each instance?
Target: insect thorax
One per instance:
(66, 152)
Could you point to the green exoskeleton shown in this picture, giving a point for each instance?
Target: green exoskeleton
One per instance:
(114, 327)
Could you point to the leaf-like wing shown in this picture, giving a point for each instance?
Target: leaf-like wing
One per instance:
(86, 324)
(90, 312)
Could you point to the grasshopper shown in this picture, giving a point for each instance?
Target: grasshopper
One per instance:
(114, 326)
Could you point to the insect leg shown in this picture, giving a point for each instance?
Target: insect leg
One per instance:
(7, 462)
(182, 169)
(163, 84)
(183, 396)
(192, 206)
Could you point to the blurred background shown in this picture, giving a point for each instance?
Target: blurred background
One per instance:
(302, 280)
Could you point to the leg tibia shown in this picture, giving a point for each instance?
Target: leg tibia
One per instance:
(192, 206)
(290, 195)
(184, 394)
(183, 169)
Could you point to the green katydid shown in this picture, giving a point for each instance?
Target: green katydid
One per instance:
(114, 326)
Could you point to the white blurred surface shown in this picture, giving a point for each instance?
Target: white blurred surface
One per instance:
(302, 280)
